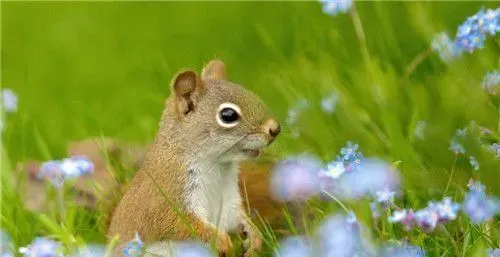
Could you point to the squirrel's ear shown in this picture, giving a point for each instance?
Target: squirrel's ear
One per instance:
(215, 69)
(187, 88)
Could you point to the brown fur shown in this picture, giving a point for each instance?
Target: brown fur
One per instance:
(153, 204)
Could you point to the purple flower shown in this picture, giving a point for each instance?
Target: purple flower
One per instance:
(333, 7)
(53, 172)
(491, 82)
(134, 247)
(329, 102)
(41, 247)
(340, 236)
(9, 100)
(296, 179)
(295, 247)
(447, 209)
(472, 33)
(494, 149)
(427, 219)
(447, 49)
(405, 217)
(474, 163)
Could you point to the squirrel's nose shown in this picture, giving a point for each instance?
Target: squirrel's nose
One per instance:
(272, 127)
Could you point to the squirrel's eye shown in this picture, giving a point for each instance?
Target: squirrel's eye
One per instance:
(228, 115)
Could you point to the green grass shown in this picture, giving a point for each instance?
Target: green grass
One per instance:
(91, 69)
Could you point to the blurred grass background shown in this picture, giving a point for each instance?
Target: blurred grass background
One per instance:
(85, 69)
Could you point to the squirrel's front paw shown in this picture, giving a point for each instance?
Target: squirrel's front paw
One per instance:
(224, 245)
(253, 242)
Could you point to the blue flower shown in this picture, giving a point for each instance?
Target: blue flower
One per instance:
(296, 178)
(351, 156)
(385, 197)
(456, 147)
(371, 176)
(340, 236)
(447, 49)
(295, 247)
(405, 217)
(491, 82)
(329, 102)
(403, 250)
(133, 247)
(447, 209)
(475, 186)
(374, 210)
(474, 163)
(478, 206)
(494, 149)
(334, 169)
(41, 247)
(472, 33)
(57, 172)
(427, 219)
(494, 252)
(333, 7)
(9, 100)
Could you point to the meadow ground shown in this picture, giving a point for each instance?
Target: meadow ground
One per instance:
(103, 69)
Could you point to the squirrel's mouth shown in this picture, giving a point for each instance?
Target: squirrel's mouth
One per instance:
(251, 152)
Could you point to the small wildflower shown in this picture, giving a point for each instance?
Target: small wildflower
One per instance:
(9, 100)
(334, 169)
(53, 172)
(295, 247)
(472, 33)
(329, 103)
(405, 217)
(133, 247)
(475, 186)
(191, 249)
(445, 47)
(56, 172)
(403, 250)
(427, 219)
(333, 7)
(479, 207)
(447, 209)
(474, 163)
(351, 156)
(494, 149)
(385, 197)
(345, 242)
(296, 178)
(494, 252)
(41, 247)
(491, 82)
(456, 147)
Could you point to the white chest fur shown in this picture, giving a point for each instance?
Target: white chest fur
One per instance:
(213, 194)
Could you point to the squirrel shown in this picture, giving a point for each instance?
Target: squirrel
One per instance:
(187, 186)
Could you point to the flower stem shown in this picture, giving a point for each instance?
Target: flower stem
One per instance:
(416, 61)
(60, 203)
(451, 174)
(358, 27)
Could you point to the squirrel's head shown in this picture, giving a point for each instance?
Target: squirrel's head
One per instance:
(215, 118)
